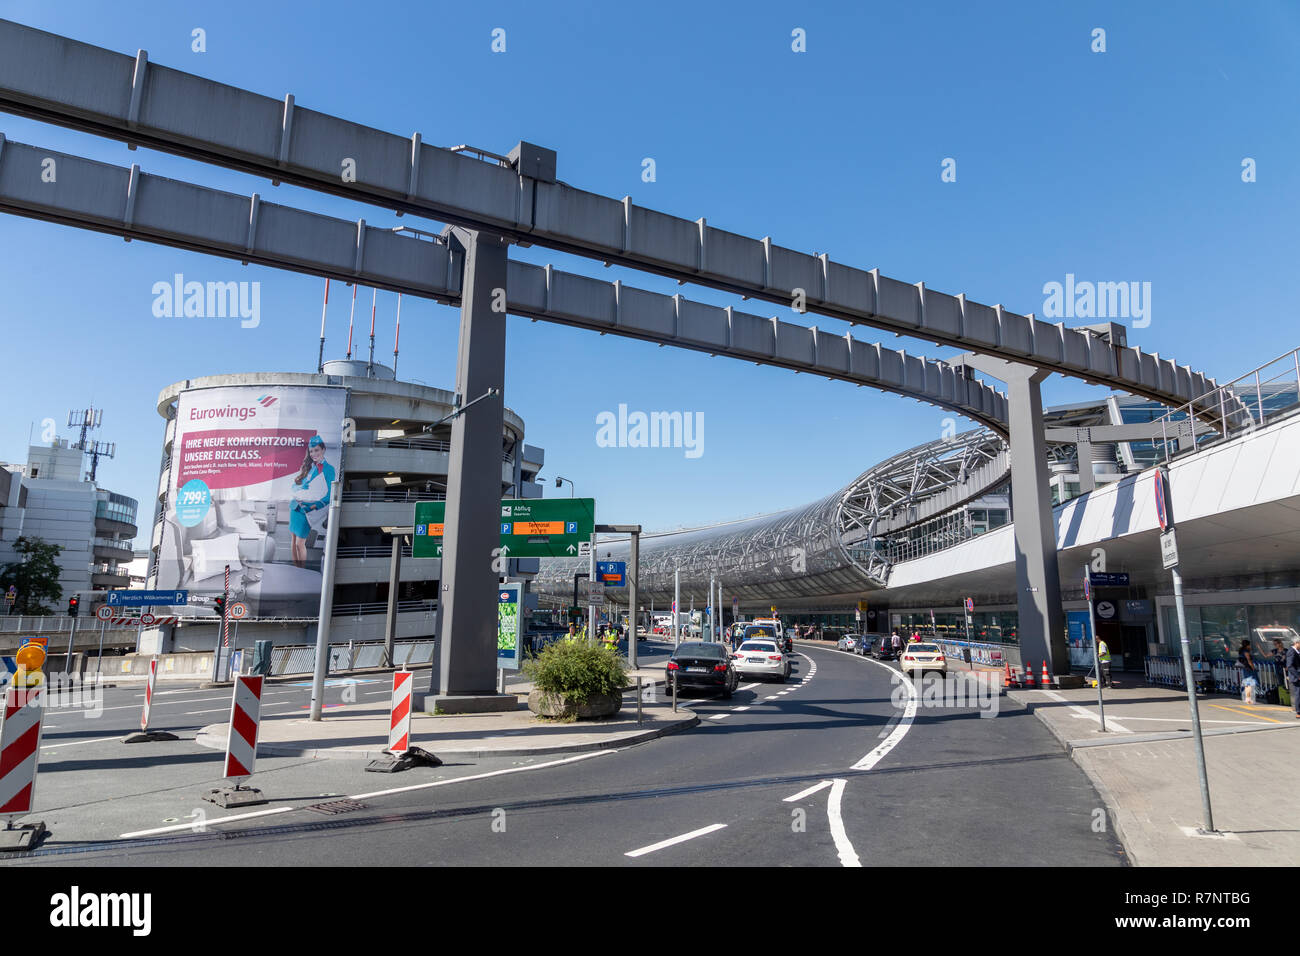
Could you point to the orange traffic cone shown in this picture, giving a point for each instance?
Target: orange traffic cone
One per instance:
(1029, 677)
(1006, 681)
(1047, 681)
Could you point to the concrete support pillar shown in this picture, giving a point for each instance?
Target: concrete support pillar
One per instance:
(469, 580)
(1038, 580)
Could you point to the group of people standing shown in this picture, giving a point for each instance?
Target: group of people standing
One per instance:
(1285, 660)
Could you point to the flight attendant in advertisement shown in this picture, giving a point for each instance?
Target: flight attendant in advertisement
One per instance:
(311, 491)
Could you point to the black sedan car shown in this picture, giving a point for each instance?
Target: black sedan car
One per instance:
(884, 649)
(702, 665)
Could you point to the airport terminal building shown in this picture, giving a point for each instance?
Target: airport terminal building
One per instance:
(916, 536)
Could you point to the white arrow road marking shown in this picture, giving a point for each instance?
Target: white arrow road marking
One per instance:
(675, 840)
(848, 857)
(904, 725)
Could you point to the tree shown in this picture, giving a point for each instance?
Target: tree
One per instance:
(36, 576)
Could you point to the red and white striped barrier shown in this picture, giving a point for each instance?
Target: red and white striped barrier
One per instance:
(20, 748)
(245, 718)
(148, 695)
(399, 724)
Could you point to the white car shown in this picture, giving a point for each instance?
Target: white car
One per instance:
(761, 658)
(923, 657)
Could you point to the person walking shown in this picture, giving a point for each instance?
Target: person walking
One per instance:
(1103, 661)
(1293, 674)
(1249, 676)
(895, 642)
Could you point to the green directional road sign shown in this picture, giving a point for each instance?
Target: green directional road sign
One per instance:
(529, 527)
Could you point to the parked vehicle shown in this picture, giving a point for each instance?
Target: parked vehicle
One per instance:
(702, 665)
(849, 642)
(883, 649)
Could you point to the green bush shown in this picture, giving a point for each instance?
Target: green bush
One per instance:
(577, 670)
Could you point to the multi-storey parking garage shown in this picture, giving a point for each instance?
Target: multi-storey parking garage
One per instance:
(397, 452)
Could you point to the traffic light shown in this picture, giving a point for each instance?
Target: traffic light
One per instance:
(220, 605)
(72, 606)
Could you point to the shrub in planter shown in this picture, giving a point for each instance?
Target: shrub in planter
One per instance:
(574, 677)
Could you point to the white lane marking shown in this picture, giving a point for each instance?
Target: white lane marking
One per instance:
(748, 686)
(904, 725)
(73, 743)
(675, 840)
(1111, 724)
(746, 707)
(848, 857)
(210, 821)
(219, 710)
(481, 776)
(770, 697)
(717, 716)
(783, 693)
(808, 793)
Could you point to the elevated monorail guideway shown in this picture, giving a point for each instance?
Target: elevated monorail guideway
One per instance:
(74, 84)
(136, 205)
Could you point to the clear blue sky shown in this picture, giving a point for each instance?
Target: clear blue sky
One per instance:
(1115, 166)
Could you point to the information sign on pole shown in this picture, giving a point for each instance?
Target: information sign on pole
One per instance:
(528, 527)
(508, 621)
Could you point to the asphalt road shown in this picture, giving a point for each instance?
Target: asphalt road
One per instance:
(822, 771)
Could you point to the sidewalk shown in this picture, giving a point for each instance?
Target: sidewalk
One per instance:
(360, 731)
(1144, 767)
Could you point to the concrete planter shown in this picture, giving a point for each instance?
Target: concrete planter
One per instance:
(556, 705)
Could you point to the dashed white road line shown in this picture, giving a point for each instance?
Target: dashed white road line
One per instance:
(748, 686)
(675, 840)
(718, 716)
(745, 707)
(219, 710)
(848, 857)
(808, 793)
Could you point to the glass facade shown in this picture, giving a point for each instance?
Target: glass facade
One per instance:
(994, 627)
(1216, 631)
(115, 507)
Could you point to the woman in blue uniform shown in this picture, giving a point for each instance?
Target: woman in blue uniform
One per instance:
(311, 491)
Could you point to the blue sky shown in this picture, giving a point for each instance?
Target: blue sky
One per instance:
(1115, 166)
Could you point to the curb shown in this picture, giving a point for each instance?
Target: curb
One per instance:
(213, 736)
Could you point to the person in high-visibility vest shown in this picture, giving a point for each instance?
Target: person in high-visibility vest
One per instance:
(1103, 661)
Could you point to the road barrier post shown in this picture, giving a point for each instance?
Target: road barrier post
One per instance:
(241, 745)
(145, 735)
(401, 755)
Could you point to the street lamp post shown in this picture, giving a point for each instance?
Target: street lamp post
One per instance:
(557, 484)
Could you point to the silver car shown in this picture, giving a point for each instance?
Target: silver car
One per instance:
(761, 658)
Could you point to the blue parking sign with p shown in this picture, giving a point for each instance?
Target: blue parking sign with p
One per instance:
(571, 527)
(421, 529)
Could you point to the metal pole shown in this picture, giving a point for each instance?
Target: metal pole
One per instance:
(708, 607)
(638, 699)
(320, 363)
(100, 666)
(632, 609)
(326, 602)
(591, 606)
(1191, 700)
(67, 664)
(677, 604)
(394, 577)
(1096, 658)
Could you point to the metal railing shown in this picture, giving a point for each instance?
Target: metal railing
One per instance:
(301, 658)
(394, 496)
(381, 607)
(1227, 675)
(1265, 394)
(373, 551)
